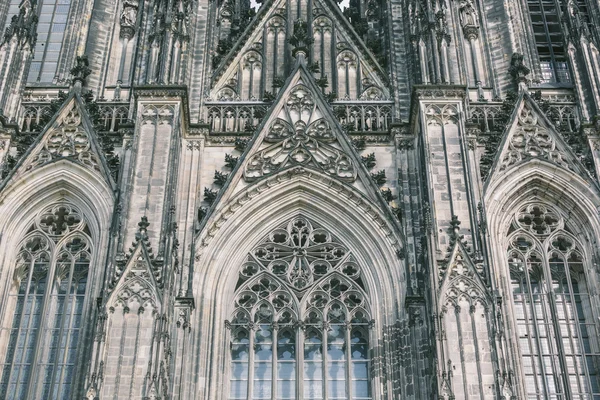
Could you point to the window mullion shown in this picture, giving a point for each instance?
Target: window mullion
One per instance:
(274, 360)
(569, 328)
(348, 361)
(549, 309)
(551, 48)
(530, 335)
(64, 316)
(300, 366)
(594, 350)
(61, 315)
(537, 332)
(579, 333)
(43, 55)
(325, 360)
(20, 328)
(252, 333)
(40, 331)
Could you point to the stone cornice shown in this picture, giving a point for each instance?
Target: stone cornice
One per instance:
(435, 93)
(167, 93)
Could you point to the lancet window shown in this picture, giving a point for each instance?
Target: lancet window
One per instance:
(50, 34)
(300, 328)
(558, 333)
(549, 40)
(44, 309)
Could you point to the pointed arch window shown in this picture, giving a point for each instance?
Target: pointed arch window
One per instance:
(51, 28)
(300, 329)
(558, 335)
(549, 40)
(45, 307)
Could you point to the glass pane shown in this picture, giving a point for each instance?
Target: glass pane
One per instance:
(337, 389)
(313, 389)
(360, 389)
(286, 389)
(286, 346)
(286, 370)
(312, 347)
(239, 371)
(336, 370)
(262, 390)
(239, 390)
(313, 370)
(263, 370)
(359, 370)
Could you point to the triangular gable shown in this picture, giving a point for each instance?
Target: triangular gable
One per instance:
(530, 135)
(68, 136)
(136, 279)
(232, 80)
(461, 277)
(300, 130)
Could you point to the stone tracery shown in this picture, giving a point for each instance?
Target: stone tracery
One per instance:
(551, 300)
(300, 136)
(531, 140)
(300, 279)
(51, 273)
(67, 140)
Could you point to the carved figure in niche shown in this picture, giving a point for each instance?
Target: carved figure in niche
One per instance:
(468, 15)
(129, 14)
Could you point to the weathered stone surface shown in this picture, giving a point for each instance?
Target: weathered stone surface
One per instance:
(197, 195)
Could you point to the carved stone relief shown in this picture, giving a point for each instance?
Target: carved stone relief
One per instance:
(68, 140)
(531, 140)
(300, 136)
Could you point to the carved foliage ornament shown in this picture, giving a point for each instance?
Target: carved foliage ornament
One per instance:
(68, 140)
(531, 140)
(300, 136)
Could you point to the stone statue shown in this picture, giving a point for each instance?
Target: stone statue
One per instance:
(129, 14)
(468, 15)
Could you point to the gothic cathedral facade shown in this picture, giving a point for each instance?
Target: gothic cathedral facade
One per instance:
(300, 199)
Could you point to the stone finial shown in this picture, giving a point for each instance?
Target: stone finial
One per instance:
(143, 226)
(22, 26)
